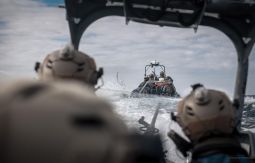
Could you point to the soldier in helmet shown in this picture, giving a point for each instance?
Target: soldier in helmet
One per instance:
(63, 122)
(169, 79)
(144, 82)
(70, 64)
(151, 76)
(162, 76)
(207, 118)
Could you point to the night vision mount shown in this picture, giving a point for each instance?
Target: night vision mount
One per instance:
(235, 18)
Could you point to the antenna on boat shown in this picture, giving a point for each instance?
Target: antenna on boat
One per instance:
(120, 82)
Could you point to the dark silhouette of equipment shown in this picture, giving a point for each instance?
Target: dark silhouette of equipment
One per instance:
(150, 129)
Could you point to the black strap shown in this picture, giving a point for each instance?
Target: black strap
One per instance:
(225, 145)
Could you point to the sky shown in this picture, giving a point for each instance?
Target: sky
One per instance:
(30, 29)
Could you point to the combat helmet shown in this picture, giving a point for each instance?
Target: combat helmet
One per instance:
(58, 123)
(168, 78)
(205, 112)
(69, 63)
(162, 74)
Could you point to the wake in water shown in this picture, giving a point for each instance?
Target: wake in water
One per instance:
(248, 118)
(132, 109)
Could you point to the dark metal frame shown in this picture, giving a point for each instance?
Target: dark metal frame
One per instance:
(236, 19)
(163, 68)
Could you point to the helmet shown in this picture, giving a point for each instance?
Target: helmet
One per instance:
(146, 78)
(151, 76)
(57, 122)
(205, 112)
(69, 63)
(162, 74)
(168, 78)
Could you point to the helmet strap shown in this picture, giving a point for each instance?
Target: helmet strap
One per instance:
(182, 145)
(37, 66)
(101, 85)
(100, 72)
(173, 117)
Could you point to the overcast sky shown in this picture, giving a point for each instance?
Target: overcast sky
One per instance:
(31, 29)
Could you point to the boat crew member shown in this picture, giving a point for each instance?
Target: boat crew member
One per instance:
(151, 77)
(69, 64)
(64, 122)
(207, 117)
(144, 82)
(162, 76)
(169, 79)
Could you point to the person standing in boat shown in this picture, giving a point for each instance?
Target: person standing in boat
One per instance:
(151, 77)
(169, 79)
(141, 85)
(150, 87)
(144, 82)
(162, 76)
